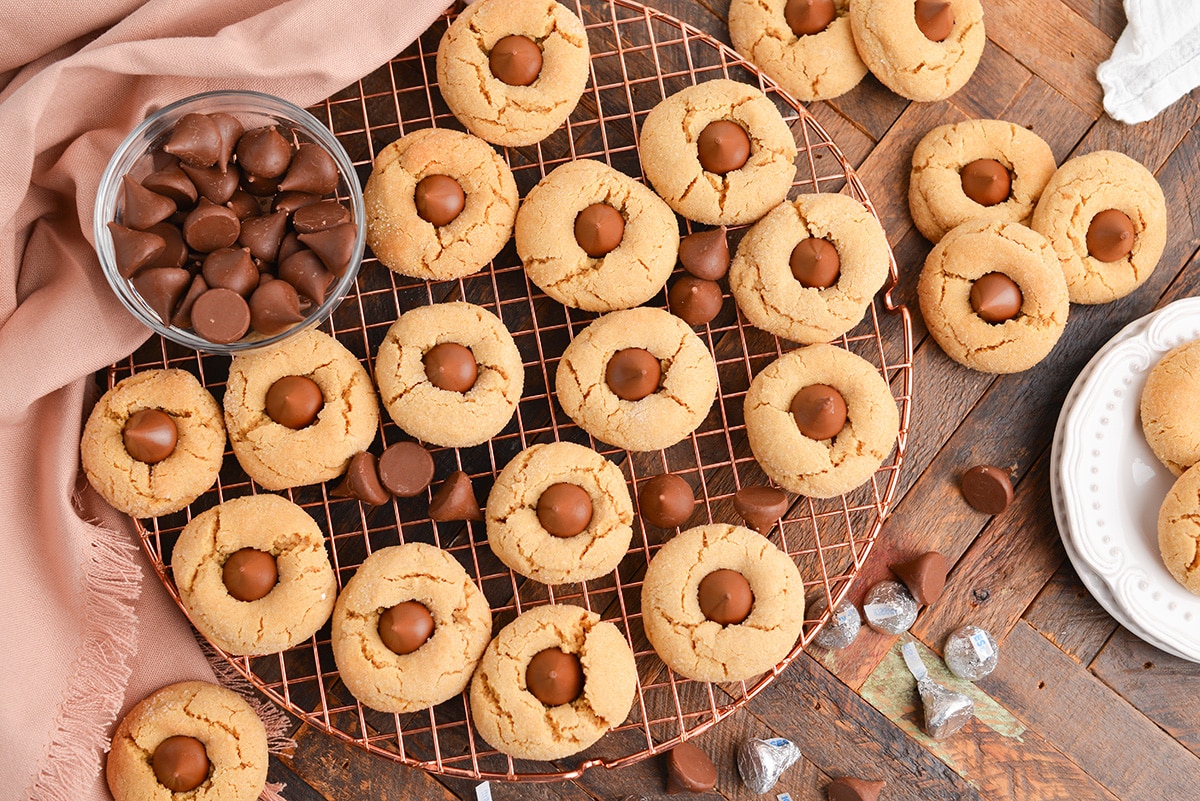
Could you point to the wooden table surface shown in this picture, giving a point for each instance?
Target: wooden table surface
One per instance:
(1078, 708)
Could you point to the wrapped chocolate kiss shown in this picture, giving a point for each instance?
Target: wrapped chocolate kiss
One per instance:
(946, 711)
(842, 628)
(971, 653)
(762, 762)
(890, 608)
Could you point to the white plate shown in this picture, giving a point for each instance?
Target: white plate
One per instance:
(1111, 484)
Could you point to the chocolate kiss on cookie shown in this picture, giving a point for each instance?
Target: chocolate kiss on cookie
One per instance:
(815, 263)
(180, 763)
(564, 509)
(295, 401)
(361, 481)
(405, 627)
(440, 199)
(924, 575)
(986, 181)
(633, 374)
(455, 500)
(516, 60)
(555, 677)
(819, 411)
(725, 597)
(935, 19)
(849, 788)
(723, 147)
(1110, 236)
(451, 366)
(996, 298)
(150, 435)
(806, 17)
(250, 574)
(760, 507)
(705, 254)
(599, 229)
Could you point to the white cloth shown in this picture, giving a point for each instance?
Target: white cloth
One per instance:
(1155, 62)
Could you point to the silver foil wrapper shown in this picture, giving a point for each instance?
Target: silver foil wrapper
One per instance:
(890, 608)
(971, 653)
(762, 762)
(842, 628)
(946, 711)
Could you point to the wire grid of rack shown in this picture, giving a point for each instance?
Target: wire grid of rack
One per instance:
(639, 56)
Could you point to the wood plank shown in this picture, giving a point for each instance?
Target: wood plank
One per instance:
(1107, 16)
(1062, 130)
(871, 106)
(996, 82)
(1067, 615)
(1148, 142)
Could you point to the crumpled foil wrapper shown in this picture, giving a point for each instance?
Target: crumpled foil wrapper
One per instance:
(890, 608)
(946, 711)
(842, 628)
(971, 653)
(762, 762)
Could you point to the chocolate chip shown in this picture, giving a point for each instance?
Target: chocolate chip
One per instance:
(295, 401)
(221, 315)
(361, 480)
(250, 574)
(689, 770)
(554, 677)
(849, 788)
(180, 763)
(516, 60)
(320, 216)
(161, 288)
(986, 181)
(263, 235)
(725, 597)
(209, 227)
(182, 318)
(705, 254)
(214, 183)
(806, 17)
(564, 509)
(305, 271)
(451, 366)
(935, 19)
(142, 208)
(695, 301)
(440, 199)
(274, 307)
(666, 501)
(815, 263)
(599, 229)
(196, 140)
(175, 252)
(231, 268)
(1110, 236)
(996, 298)
(455, 500)
(405, 627)
(723, 147)
(133, 250)
(244, 205)
(231, 130)
(633, 374)
(924, 575)
(988, 489)
(150, 435)
(312, 170)
(173, 183)
(760, 507)
(334, 246)
(264, 153)
(406, 469)
(819, 411)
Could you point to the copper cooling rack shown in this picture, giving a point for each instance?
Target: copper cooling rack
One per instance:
(639, 56)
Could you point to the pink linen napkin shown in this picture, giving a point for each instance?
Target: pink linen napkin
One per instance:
(85, 629)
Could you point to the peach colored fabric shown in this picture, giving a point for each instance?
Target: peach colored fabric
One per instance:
(85, 628)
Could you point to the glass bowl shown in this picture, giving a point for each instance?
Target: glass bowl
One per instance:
(253, 109)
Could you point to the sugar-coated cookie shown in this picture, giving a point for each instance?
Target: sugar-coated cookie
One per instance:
(1168, 408)
(1179, 530)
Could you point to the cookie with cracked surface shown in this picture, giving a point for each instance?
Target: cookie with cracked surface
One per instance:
(1169, 421)
(253, 574)
(988, 169)
(595, 239)
(552, 683)
(440, 204)
(718, 153)
(809, 269)
(699, 578)
(924, 50)
(639, 379)
(993, 296)
(191, 737)
(409, 628)
(560, 512)
(1179, 530)
(153, 443)
(814, 59)
(512, 71)
(454, 411)
(298, 411)
(1106, 217)
(820, 420)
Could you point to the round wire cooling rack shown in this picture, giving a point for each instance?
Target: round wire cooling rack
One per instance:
(639, 56)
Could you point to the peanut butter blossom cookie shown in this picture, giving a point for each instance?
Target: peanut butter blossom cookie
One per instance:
(993, 296)
(1169, 421)
(1106, 217)
(512, 71)
(153, 443)
(924, 50)
(191, 738)
(440, 204)
(820, 420)
(560, 512)
(1179, 530)
(253, 574)
(552, 683)
(718, 153)
(409, 628)
(809, 269)
(639, 379)
(987, 169)
(595, 239)
(298, 411)
(721, 603)
(806, 46)
(450, 374)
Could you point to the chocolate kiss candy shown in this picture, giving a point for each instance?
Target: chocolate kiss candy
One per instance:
(258, 186)
(633, 374)
(305, 271)
(182, 318)
(689, 770)
(250, 574)
(334, 246)
(666, 501)
(244, 205)
(516, 60)
(455, 500)
(705, 254)
(599, 229)
(312, 170)
(935, 19)
(262, 235)
(150, 435)
(221, 315)
(1110, 236)
(971, 653)
(986, 181)
(996, 298)
(815, 263)
(175, 254)
(319, 216)
(440, 199)
(924, 575)
(406, 469)
(295, 401)
(180, 763)
(263, 152)
(405, 627)
(843, 626)
(819, 411)
(988, 489)
(133, 250)
(143, 208)
(212, 182)
(231, 130)
(890, 608)
(161, 288)
(231, 268)
(290, 246)
(760, 507)
(725, 597)
(762, 762)
(695, 301)
(210, 227)
(806, 17)
(290, 202)
(564, 509)
(723, 147)
(451, 366)
(196, 140)
(274, 307)
(946, 711)
(362, 480)
(848, 788)
(554, 677)
(171, 182)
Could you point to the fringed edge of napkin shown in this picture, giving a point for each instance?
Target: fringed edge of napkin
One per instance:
(276, 721)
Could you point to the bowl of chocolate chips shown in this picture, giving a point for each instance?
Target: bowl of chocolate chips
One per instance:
(230, 220)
